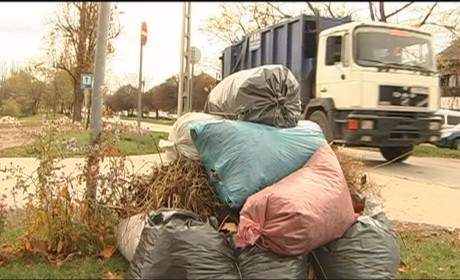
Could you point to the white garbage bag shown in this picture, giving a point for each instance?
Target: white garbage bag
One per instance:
(179, 140)
(129, 233)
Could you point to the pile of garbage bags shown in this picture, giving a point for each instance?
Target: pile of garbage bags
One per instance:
(285, 181)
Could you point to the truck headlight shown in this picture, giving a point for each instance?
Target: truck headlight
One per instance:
(367, 124)
(434, 126)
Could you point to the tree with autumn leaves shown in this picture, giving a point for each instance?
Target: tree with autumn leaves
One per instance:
(72, 42)
(162, 97)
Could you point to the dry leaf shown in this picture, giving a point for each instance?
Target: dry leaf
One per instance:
(7, 249)
(110, 275)
(108, 252)
(2, 260)
(231, 227)
(406, 269)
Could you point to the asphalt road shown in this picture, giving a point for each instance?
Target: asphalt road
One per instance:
(434, 171)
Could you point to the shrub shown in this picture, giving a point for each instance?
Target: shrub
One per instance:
(10, 108)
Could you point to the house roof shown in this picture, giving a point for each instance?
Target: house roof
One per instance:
(452, 51)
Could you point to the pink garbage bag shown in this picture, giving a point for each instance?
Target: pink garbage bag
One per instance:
(307, 209)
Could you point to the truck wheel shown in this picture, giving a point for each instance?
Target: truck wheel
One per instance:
(456, 144)
(320, 118)
(391, 153)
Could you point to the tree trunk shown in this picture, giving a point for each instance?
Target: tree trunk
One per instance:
(78, 103)
(157, 114)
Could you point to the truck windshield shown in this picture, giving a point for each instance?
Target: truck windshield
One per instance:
(393, 48)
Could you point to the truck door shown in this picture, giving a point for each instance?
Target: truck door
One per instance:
(333, 73)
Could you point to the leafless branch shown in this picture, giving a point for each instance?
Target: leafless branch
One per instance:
(428, 14)
(398, 10)
(371, 10)
(383, 17)
(278, 9)
(329, 9)
(311, 7)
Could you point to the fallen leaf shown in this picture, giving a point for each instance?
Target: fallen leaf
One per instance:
(108, 252)
(110, 275)
(231, 227)
(2, 260)
(7, 249)
(406, 269)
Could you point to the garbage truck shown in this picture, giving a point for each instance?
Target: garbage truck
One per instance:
(364, 83)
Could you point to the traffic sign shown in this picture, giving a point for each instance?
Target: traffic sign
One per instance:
(86, 81)
(195, 55)
(144, 33)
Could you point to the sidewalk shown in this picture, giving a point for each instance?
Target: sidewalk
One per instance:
(403, 200)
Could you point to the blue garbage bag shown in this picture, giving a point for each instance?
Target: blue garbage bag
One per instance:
(242, 158)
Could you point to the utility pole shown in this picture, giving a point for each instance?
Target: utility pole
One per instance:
(143, 41)
(184, 74)
(99, 73)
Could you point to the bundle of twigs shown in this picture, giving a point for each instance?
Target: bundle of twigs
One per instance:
(358, 181)
(181, 184)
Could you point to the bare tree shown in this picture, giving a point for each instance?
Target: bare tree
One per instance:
(238, 19)
(72, 42)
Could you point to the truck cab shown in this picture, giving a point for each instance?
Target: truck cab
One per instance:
(365, 84)
(377, 86)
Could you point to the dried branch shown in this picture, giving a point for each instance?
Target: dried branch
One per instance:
(428, 14)
(371, 10)
(311, 7)
(398, 10)
(278, 9)
(329, 9)
(382, 17)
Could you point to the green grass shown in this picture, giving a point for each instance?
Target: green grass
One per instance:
(127, 144)
(424, 258)
(39, 268)
(426, 151)
(428, 258)
(432, 151)
(154, 121)
(32, 121)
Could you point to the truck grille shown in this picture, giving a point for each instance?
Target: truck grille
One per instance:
(403, 96)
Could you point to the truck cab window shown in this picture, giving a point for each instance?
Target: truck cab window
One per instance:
(333, 50)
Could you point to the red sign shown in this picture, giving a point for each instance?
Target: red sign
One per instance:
(143, 33)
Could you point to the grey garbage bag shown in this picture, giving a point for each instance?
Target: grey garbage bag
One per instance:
(176, 245)
(268, 94)
(368, 250)
(255, 263)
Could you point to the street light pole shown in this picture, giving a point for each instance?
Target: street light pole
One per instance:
(143, 41)
(99, 73)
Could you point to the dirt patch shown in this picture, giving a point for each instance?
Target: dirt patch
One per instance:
(13, 137)
(428, 232)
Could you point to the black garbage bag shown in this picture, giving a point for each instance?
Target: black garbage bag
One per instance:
(176, 245)
(256, 263)
(268, 94)
(368, 250)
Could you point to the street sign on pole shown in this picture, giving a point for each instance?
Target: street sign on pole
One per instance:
(86, 81)
(139, 92)
(195, 56)
(144, 33)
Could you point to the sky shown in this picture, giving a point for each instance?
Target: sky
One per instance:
(22, 28)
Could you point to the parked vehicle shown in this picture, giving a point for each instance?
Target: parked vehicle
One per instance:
(365, 84)
(450, 138)
(450, 118)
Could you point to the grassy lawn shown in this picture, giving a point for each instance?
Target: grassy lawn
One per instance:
(154, 121)
(429, 259)
(432, 151)
(39, 268)
(32, 121)
(128, 144)
(427, 151)
(424, 256)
